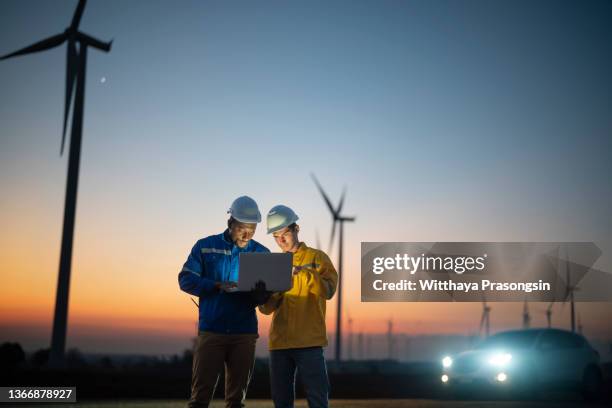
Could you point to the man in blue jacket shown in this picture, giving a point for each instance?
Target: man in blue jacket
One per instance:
(227, 319)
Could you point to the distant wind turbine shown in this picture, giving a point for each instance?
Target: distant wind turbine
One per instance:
(569, 292)
(526, 316)
(549, 314)
(337, 219)
(76, 63)
(484, 320)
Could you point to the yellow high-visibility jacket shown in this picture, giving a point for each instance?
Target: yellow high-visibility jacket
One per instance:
(299, 313)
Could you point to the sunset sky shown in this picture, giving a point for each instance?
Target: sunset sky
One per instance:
(446, 121)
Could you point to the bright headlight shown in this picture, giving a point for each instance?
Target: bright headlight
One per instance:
(500, 359)
(447, 362)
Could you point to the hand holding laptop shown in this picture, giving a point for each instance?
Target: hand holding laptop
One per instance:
(260, 294)
(227, 286)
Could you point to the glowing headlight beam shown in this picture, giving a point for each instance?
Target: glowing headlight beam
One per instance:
(501, 377)
(444, 378)
(500, 359)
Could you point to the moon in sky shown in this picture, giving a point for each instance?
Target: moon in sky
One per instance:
(102, 80)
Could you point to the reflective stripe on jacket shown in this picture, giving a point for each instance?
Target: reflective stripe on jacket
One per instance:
(299, 313)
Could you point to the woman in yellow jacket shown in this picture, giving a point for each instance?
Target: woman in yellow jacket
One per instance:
(297, 333)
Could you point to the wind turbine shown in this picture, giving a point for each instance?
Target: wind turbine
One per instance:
(76, 63)
(526, 317)
(337, 219)
(569, 292)
(549, 314)
(484, 320)
(549, 309)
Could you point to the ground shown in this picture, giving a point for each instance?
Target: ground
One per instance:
(398, 403)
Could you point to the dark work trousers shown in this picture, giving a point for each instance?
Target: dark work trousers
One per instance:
(310, 364)
(213, 352)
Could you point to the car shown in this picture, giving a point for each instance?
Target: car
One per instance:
(527, 361)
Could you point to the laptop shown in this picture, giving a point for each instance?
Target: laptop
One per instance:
(273, 269)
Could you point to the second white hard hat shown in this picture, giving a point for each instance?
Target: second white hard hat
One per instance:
(279, 217)
(244, 209)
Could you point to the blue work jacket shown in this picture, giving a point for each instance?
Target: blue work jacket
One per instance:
(215, 259)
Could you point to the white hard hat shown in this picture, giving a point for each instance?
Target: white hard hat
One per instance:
(244, 209)
(279, 217)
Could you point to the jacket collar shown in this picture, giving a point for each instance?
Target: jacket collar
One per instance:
(226, 237)
(301, 248)
(299, 254)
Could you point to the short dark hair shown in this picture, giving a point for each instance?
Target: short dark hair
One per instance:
(292, 227)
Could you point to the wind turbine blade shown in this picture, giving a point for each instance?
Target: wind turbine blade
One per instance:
(71, 70)
(43, 45)
(482, 321)
(332, 236)
(94, 42)
(78, 13)
(339, 210)
(329, 204)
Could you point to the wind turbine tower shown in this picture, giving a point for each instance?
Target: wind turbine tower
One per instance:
(390, 339)
(549, 314)
(484, 320)
(569, 290)
(76, 67)
(526, 316)
(340, 219)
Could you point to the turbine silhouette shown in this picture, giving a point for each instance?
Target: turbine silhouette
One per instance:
(337, 219)
(526, 316)
(549, 315)
(76, 63)
(569, 292)
(484, 320)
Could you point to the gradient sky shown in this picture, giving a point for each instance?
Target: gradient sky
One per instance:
(445, 120)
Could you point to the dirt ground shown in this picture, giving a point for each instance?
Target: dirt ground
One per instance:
(398, 403)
